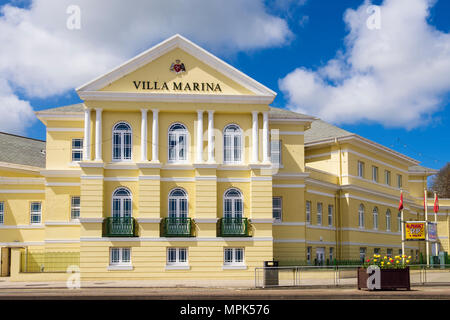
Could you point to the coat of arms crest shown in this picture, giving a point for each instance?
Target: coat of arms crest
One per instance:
(177, 67)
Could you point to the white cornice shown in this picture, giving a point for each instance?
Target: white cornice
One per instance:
(177, 41)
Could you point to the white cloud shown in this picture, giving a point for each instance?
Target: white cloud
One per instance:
(41, 57)
(15, 114)
(397, 75)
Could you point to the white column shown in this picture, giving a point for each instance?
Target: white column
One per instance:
(87, 135)
(199, 136)
(155, 140)
(266, 136)
(211, 136)
(144, 135)
(98, 134)
(255, 145)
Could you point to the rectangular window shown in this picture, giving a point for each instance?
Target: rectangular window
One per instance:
(361, 169)
(308, 211)
(35, 212)
(77, 149)
(374, 174)
(308, 254)
(75, 208)
(389, 252)
(233, 256)
(399, 181)
(2, 212)
(330, 215)
(276, 208)
(362, 254)
(177, 256)
(275, 151)
(376, 250)
(120, 256)
(387, 177)
(331, 254)
(319, 213)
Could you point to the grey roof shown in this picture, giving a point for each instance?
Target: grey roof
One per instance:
(21, 150)
(422, 169)
(65, 109)
(321, 130)
(278, 113)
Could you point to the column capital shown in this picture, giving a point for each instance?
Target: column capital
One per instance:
(155, 110)
(211, 111)
(255, 113)
(144, 110)
(200, 111)
(98, 109)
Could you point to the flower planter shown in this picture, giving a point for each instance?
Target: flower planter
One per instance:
(390, 279)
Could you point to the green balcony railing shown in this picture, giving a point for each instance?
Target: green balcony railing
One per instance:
(234, 227)
(177, 227)
(119, 227)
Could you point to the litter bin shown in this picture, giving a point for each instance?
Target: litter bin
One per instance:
(270, 273)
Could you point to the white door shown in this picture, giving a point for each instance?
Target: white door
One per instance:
(320, 255)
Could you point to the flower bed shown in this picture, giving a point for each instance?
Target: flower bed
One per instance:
(394, 273)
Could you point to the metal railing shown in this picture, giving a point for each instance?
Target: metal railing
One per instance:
(41, 262)
(119, 227)
(176, 227)
(234, 227)
(342, 275)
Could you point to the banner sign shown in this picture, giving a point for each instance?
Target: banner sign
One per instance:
(415, 230)
(432, 231)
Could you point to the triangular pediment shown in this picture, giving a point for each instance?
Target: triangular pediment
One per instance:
(172, 68)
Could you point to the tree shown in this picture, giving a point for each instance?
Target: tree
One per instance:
(441, 182)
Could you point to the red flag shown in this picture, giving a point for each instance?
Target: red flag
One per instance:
(436, 203)
(400, 206)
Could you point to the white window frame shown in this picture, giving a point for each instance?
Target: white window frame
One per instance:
(122, 199)
(234, 136)
(178, 200)
(399, 222)
(308, 211)
(331, 255)
(36, 213)
(375, 218)
(122, 134)
(277, 209)
(361, 210)
(360, 169)
(181, 258)
(2, 212)
(178, 147)
(399, 181)
(275, 153)
(234, 262)
(389, 252)
(77, 150)
(74, 208)
(388, 220)
(319, 213)
(122, 262)
(330, 215)
(387, 177)
(234, 200)
(374, 173)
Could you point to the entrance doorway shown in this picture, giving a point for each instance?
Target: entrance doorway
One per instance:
(6, 262)
(320, 255)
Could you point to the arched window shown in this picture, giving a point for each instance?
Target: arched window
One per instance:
(232, 204)
(232, 144)
(388, 220)
(375, 218)
(399, 222)
(122, 143)
(178, 203)
(121, 203)
(178, 135)
(361, 216)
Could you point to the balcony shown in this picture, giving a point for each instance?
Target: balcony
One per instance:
(234, 227)
(119, 227)
(176, 227)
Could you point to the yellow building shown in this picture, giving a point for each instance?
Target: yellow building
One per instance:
(176, 167)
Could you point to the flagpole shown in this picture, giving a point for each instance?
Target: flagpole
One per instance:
(403, 227)
(435, 221)
(425, 204)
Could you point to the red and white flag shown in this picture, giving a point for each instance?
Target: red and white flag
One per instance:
(436, 203)
(400, 206)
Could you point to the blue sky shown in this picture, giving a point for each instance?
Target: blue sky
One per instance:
(306, 36)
